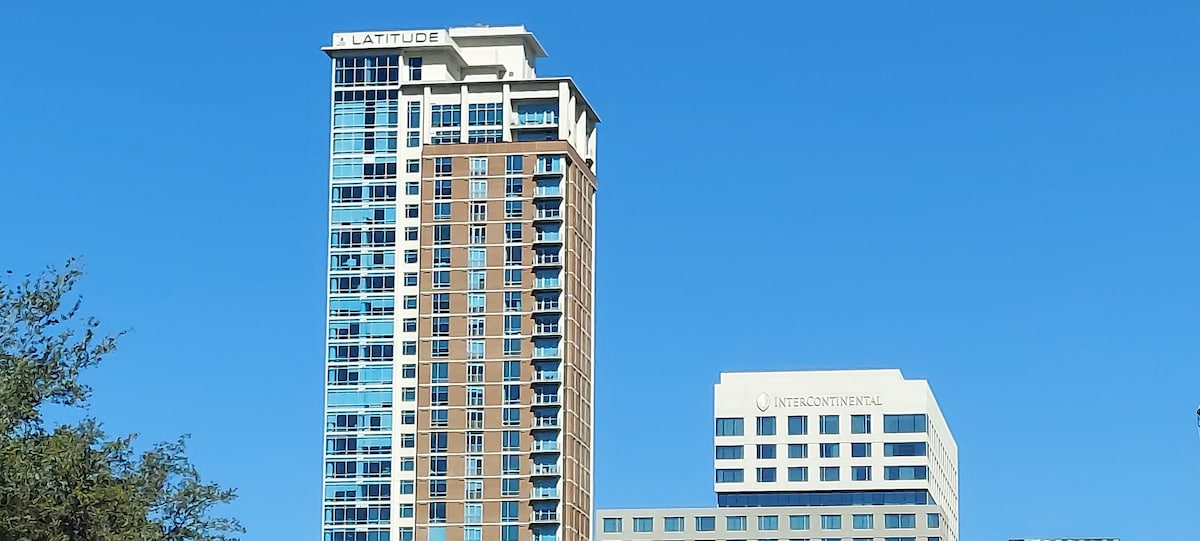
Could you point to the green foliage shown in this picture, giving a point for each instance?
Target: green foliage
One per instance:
(72, 483)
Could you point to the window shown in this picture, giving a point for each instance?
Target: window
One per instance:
(512, 301)
(860, 473)
(766, 475)
(894, 473)
(643, 524)
(863, 522)
(798, 473)
(729, 426)
(439, 348)
(446, 116)
(510, 464)
(735, 523)
(612, 525)
(768, 523)
(799, 522)
(765, 426)
(512, 209)
(829, 424)
(933, 520)
(830, 450)
(706, 524)
(797, 450)
(860, 450)
(672, 524)
(730, 476)
(484, 114)
(513, 255)
(512, 370)
(831, 522)
(442, 167)
(510, 487)
(860, 424)
(512, 232)
(509, 512)
(512, 186)
(512, 346)
(899, 520)
(766, 451)
(439, 372)
(729, 452)
(797, 425)
(441, 279)
(904, 449)
(831, 473)
(441, 190)
(900, 424)
(514, 164)
(512, 277)
(478, 188)
(414, 68)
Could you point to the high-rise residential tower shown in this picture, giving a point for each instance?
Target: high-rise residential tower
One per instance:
(839, 455)
(461, 257)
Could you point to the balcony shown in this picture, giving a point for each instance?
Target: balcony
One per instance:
(546, 258)
(547, 283)
(545, 399)
(546, 305)
(548, 236)
(545, 469)
(533, 117)
(546, 328)
(546, 376)
(553, 213)
(545, 422)
(552, 190)
(545, 515)
(545, 445)
(546, 353)
(545, 493)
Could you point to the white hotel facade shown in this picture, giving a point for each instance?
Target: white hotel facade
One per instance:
(848, 455)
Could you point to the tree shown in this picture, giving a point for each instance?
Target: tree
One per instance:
(72, 482)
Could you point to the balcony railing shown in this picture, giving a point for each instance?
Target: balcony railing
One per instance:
(545, 376)
(549, 213)
(543, 492)
(545, 445)
(545, 469)
(545, 352)
(546, 328)
(546, 282)
(541, 191)
(535, 118)
(547, 258)
(545, 422)
(548, 236)
(545, 399)
(545, 515)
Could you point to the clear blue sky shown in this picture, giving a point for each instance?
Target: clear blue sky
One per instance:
(999, 197)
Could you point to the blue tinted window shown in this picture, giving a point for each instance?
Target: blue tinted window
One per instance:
(904, 449)
(913, 423)
(797, 450)
(797, 425)
(729, 452)
(891, 473)
(765, 426)
(706, 524)
(829, 424)
(831, 522)
(860, 424)
(735, 523)
(799, 522)
(612, 525)
(766, 451)
(768, 522)
(798, 473)
(730, 476)
(766, 475)
(729, 426)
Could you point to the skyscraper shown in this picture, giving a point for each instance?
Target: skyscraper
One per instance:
(460, 345)
(828, 455)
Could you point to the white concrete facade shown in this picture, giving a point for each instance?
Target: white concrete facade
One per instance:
(868, 447)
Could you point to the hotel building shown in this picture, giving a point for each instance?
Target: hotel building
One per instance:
(846, 455)
(460, 299)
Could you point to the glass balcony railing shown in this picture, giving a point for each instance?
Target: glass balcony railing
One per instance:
(549, 213)
(546, 282)
(545, 469)
(545, 352)
(546, 258)
(545, 422)
(545, 399)
(536, 117)
(545, 515)
(547, 190)
(544, 492)
(546, 304)
(545, 445)
(546, 328)
(545, 376)
(548, 236)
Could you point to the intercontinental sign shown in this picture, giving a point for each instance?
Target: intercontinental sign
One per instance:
(766, 401)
